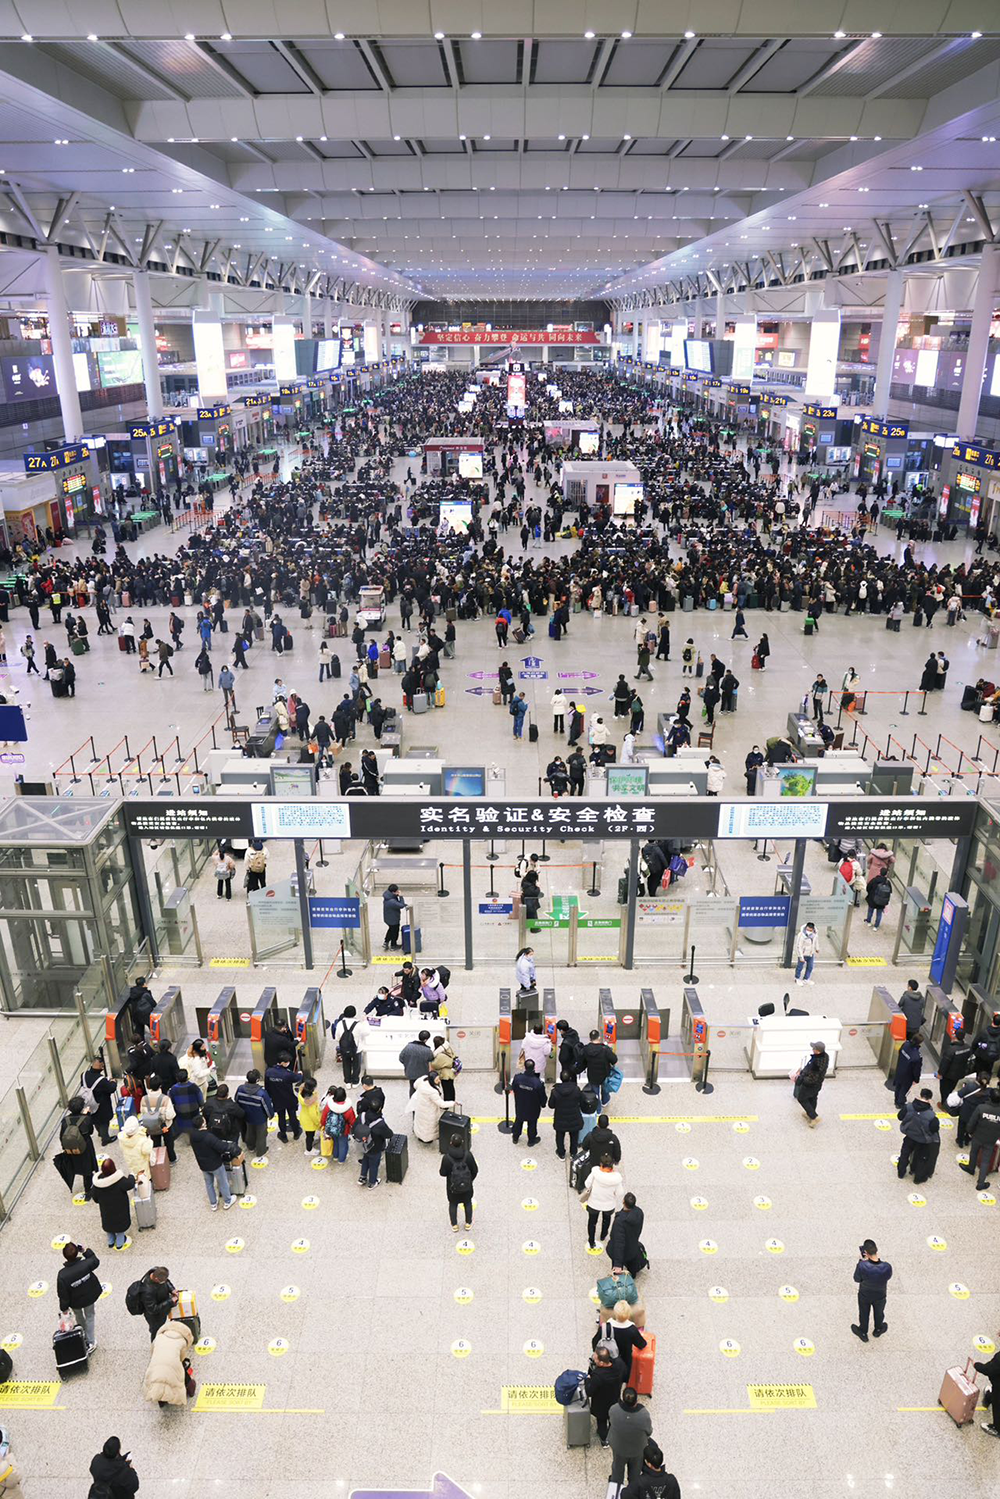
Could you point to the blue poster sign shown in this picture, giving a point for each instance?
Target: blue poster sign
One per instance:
(533, 676)
(334, 910)
(496, 908)
(764, 910)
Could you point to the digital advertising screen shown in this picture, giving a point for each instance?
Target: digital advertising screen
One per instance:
(371, 344)
(516, 391)
(463, 780)
(283, 343)
(29, 377)
(456, 516)
(588, 443)
(626, 497)
(926, 371)
(470, 466)
(698, 355)
(796, 780)
(81, 371)
(327, 354)
(238, 359)
(123, 367)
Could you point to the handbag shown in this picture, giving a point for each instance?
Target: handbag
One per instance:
(190, 1383)
(614, 1080)
(325, 1145)
(456, 1065)
(614, 1288)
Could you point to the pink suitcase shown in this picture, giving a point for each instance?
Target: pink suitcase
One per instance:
(960, 1394)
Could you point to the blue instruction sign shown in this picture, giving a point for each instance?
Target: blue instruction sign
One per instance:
(334, 910)
(764, 910)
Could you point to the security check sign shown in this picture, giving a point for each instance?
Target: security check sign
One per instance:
(311, 819)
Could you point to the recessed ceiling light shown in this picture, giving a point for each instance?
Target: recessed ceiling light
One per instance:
(477, 36)
(226, 36)
(975, 35)
(916, 169)
(487, 137)
(92, 36)
(853, 137)
(626, 36)
(876, 35)
(338, 36)
(723, 137)
(838, 36)
(789, 137)
(26, 36)
(189, 36)
(588, 36)
(439, 36)
(397, 137)
(689, 36)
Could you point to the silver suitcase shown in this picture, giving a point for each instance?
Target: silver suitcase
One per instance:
(145, 1210)
(578, 1426)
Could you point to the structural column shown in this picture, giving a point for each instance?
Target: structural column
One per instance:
(979, 337)
(147, 338)
(894, 287)
(62, 347)
(307, 315)
(327, 317)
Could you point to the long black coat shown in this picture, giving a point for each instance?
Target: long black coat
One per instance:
(112, 1194)
(604, 1385)
(565, 1100)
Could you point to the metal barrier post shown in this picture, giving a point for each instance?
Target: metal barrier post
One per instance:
(29, 1128)
(441, 891)
(365, 934)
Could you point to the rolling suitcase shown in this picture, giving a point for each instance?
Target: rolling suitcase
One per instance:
(287, 644)
(643, 1363)
(439, 698)
(70, 1349)
(145, 1210)
(385, 660)
(334, 666)
(809, 626)
(420, 702)
(396, 1159)
(687, 603)
(532, 733)
(519, 636)
(578, 1428)
(454, 1122)
(79, 647)
(237, 1179)
(959, 1394)
(579, 1170)
(159, 1169)
(412, 941)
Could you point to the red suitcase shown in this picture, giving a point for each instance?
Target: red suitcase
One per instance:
(643, 1363)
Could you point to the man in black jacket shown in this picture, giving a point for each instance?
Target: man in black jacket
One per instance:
(79, 1289)
(158, 1296)
(984, 1128)
(377, 1137)
(281, 1082)
(371, 1099)
(223, 1115)
(623, 1247)
(213, 1155)
(102, 1089)
(142, 1004)
(972, 1092)
(603, 1385)
(921, 1130)
(570, 1050)
(654, 1482)
(598, 1058)
(113, 1468)
(409, 984)
(603, 1141)
(167, 1069)
(529, 1095)
(278, 1043)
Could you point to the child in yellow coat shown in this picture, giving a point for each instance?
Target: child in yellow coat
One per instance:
(309, 1112)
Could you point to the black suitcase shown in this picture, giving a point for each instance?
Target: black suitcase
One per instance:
(579, 1170)
(809, 626)
(519, 636)
(287, 644)
(454, 1122)
(70, 1349)
(532, 733)
(396, 1159)
(335, 666)
(918, 616)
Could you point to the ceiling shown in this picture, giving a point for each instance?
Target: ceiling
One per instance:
(581, 147)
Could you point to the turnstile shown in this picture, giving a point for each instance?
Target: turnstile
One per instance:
(549, 1018)
(119, 1034)
(607, 1020)
(942, 1022)
(888, 1029)
(695, 1035)
(502, 1040)
(649, 1039)
(978, 1010)
(620, 1027)
(219, 1025)
(168, 1021)
(310, 1031)
(263, 1018)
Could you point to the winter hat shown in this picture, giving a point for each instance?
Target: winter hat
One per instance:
(130, 1126)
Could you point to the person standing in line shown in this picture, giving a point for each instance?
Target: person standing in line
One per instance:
(76, 1155)
(623, 1247)
(809, 1080)
(528, 1089)
(805, 951)
(991, 1369)
(909, 1066)
(214, 1155)
(912, 1005)
(599, 1059)
(603, 1386)
(688, 654)
(79, 1289)
(872, 1276)
(878, 893)
(459, 1167)
(158, 1296)
(819, 689)
(225, 869)
(155, 1109)
(257, 1108)
(984, 1129)
(576, 765)
(921, 1131)
(112, 1193)
(602, 1192)
(565, 1099)
(338, 1119)
(536, 1047)
(348, 1032)
(558, 711)
(374, 1134)
(630, 1427)
(654, 1482)
(603, 1141)
(427, 1106)
(309, 1112)
(98, 1092)
(518, 711)
(442, 1064)
(393, 906)
(663, 640)
(112, 1472)
(415, 1059)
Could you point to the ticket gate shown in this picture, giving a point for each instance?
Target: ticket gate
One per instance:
(607, 1020)
(219, 1025)
(119, 1034)
(649, 1039)
(263, 1018)
(549, 1017)
(978, 1010)
(695, 1036)
(942, 1022)
(502, 1040)
(168, 1021)
(310, 1032)
(887, 1029)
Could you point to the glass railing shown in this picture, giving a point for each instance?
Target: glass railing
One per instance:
(31, 1108)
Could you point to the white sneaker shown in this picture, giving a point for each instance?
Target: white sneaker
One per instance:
(799, 982)
(227, 1205)
(213, 1207)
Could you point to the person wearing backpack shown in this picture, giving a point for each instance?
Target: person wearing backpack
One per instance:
(877, 896)
(349, 1035)
(256, 866)
(443, 1064)
(223, 1114)
(79, 1289)
(373, 1134)
(459, 1168)
(570, 1058)
(598, 1059)
(338, 1118)
(152, 1297)
(77, 1156)
(98, 1093)
(112, 1472)
(603, 1385)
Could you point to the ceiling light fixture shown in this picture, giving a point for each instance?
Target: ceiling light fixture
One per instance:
(626, 36)
(439, 36)
(689, 36)
(477, 36)
(226, 36)
(838, 36)
(588, 36)
(92, 36)
(338, 36)
(189, 36)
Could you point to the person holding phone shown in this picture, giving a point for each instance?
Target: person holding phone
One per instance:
(872, 1276)
(113, 1468)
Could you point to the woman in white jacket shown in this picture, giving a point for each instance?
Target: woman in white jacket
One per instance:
(716, 776)
(428, 1105)
(558, 711)
(200, 1068)
(137, 1149)
(599, 733)
(602, 1192)
(524, 968)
